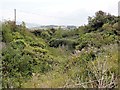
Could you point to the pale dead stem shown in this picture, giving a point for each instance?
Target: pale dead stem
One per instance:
(99, 71)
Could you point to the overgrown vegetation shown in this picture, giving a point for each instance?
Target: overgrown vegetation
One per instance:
(86, 57)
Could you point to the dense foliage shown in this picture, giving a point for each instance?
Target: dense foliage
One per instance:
(23, 55)
(85, 57)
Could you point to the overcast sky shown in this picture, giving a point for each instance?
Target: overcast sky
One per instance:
(57, 12)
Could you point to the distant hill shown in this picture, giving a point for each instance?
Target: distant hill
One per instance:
(55, 27)
(38, 26)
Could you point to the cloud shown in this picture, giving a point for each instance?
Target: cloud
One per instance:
(56, 11)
